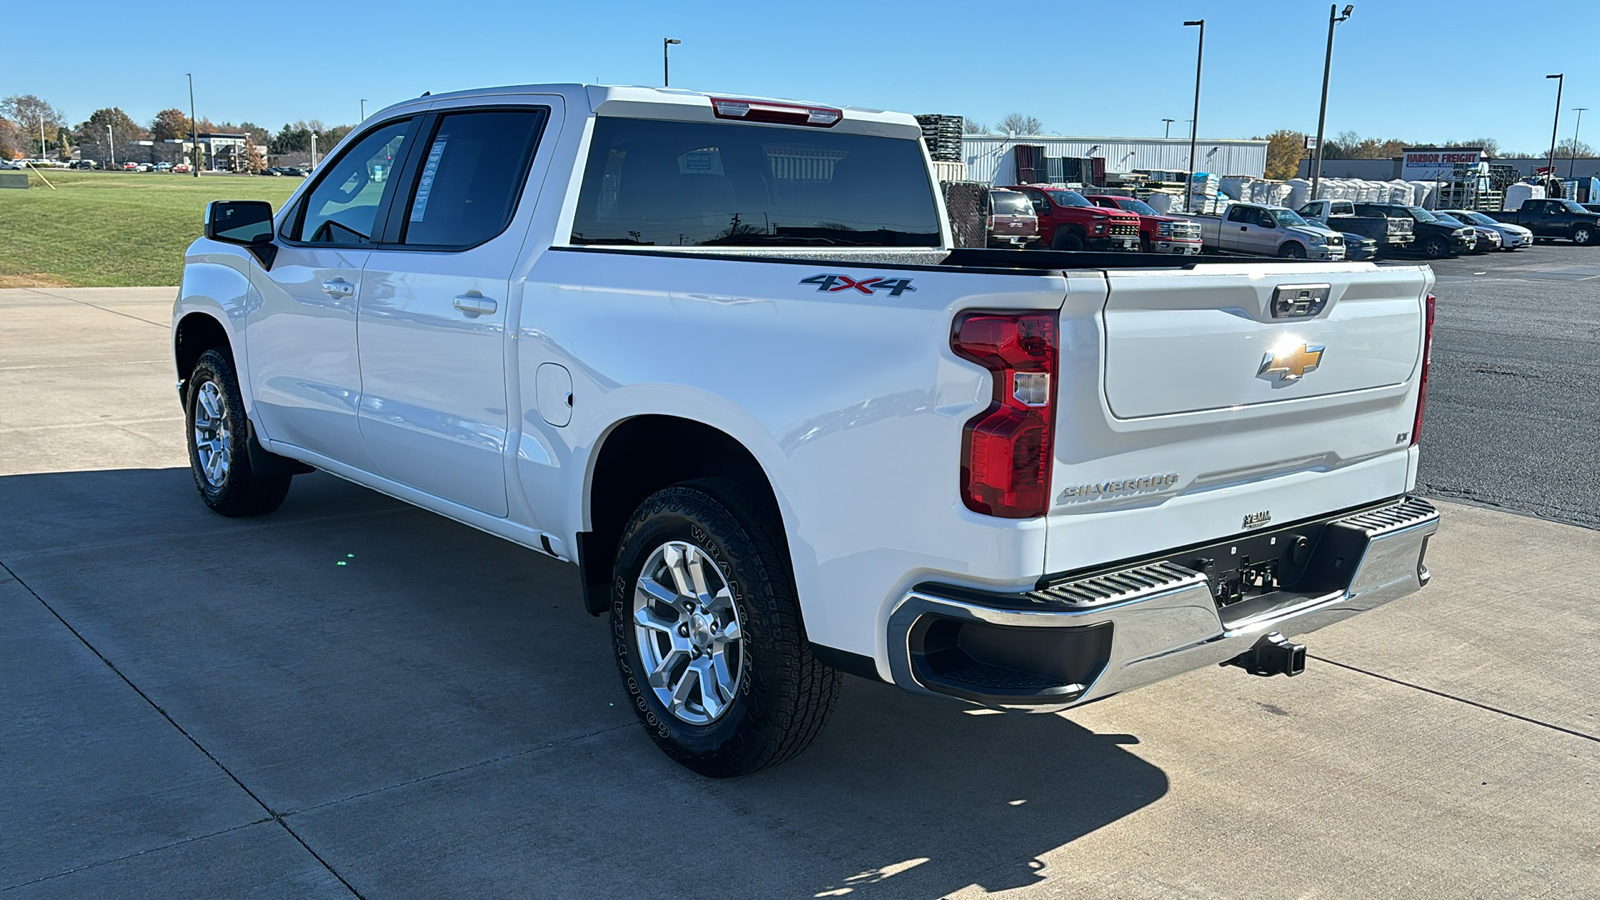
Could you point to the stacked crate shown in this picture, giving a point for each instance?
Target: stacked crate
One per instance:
(942, 134)
(964, 200)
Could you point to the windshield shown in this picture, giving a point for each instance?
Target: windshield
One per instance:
(1447, 219)
(1421, 215)
(1287, 217)
(686, 184)
(1067, 198)
(1572, 206)
(1137, 206)
(1476, 218)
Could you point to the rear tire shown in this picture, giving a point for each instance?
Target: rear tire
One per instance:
(1583, 234)
(218, 440)
(708, 634)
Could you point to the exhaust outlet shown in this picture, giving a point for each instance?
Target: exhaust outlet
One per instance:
(1272, 655)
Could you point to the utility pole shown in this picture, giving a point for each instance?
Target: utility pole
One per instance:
(1322, 115)
(1194, 127)
(666, 71)
(1169, 127)
(1572, 160)
(194, 131)
(111, 142)
(1561, 82)
(313, 149)
(363, 109)
(41, 137)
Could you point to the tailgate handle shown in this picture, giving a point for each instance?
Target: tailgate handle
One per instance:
(1299, 301)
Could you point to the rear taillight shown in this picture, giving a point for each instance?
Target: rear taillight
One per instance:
(1005, 450)
(779, 113)
(1427, 357)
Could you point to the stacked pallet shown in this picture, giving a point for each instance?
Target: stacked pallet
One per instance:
(942, 134)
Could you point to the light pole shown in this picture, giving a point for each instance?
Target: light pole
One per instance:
(1169, 127)
(363, 109)
(1572, 160)
(1194, 128)
(1322, 115)
(194, 132)
(1561, 82)
(666, 72)
(111, 142)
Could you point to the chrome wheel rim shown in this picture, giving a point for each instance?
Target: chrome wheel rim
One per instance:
(213, 436)
(686, 627)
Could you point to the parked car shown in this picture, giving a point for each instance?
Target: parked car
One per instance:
(1392, 235)
(1269, 231)
(182, 167)
(1067, 221)
(162, 167)
(1555, 219)
(1012, 479)
(1157, 233)
(1434, 239)
(1359, 247)
(83, 164)
(1010, 219)
(130, 167)
(1483, 239)
(1511, 236)
(272, 171)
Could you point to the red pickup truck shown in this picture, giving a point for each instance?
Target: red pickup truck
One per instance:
(1069, 222)
(1157, 233)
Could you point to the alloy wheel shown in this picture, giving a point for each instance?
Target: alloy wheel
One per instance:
(686, 627)
(213, 435)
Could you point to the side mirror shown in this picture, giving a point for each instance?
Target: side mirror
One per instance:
(244, 222)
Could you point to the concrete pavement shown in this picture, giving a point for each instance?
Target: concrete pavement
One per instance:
(351, 696)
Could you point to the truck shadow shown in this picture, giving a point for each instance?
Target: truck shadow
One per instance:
(349, 652)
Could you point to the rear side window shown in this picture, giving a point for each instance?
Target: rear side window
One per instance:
(697, 184)
(343, 207)
(472, 171)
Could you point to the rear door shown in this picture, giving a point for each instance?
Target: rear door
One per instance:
(1234, 228)
(1226, 391)
(434, 305)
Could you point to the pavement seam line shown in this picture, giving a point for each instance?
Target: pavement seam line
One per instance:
(107, 862)
(95, 306)
(1438, 693)
(275, 816)
(473, 765)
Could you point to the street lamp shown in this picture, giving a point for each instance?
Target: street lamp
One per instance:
(194, 132)
(1561, 82)
(1334, 18)
(1199, 57)
(1573, 159)
(111, 141)
(666, 72)
(1169, 127)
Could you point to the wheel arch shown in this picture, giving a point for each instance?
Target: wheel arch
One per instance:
(638, 456)
(195, 333)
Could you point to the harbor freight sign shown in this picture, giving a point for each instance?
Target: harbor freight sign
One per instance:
(1432, 163)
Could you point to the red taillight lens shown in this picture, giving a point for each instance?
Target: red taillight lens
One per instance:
(1005, 450)
(779, 113)
(1427, 357)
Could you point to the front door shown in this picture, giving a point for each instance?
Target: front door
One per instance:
(304, 365)
(434, 307)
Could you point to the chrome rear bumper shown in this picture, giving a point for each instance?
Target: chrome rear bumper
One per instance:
(1085, 639)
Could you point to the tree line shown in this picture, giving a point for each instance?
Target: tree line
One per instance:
(1286, 147)
(24, 116)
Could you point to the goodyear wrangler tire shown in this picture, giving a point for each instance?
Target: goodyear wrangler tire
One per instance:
(708, 635)
(217, 439)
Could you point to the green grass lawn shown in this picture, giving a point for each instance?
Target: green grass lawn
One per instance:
(113, 229)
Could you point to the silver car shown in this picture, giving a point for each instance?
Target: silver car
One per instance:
(1511, 236)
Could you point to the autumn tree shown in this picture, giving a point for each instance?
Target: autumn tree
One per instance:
(32, 116)
(1284, 150)
(254, 162)
(170, 125)
(1017, 123)
(95, 140)
(10, 139)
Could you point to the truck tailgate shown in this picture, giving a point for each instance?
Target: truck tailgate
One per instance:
(1189, 411)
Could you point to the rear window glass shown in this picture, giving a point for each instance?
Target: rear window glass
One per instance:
(1009, 203)
(471, 177)
(696, 184)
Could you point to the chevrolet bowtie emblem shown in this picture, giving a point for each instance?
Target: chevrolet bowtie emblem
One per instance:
(1291, 364)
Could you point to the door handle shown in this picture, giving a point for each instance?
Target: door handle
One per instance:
(475, 304)
(338, 288)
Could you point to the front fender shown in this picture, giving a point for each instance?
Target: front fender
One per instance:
(216, 283)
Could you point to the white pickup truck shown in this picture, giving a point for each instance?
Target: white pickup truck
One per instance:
(718, 352)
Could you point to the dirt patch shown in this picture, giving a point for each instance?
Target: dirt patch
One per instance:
(35, 280)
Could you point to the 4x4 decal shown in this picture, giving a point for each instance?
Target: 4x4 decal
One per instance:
(833, 284)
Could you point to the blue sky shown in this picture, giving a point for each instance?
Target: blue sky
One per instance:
(1085, 68)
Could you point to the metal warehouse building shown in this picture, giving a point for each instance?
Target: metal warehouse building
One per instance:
(993, 158)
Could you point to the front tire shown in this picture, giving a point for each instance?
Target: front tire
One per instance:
(218, 434)
(1292, 250)
(1436, 248)
(1067, 240)
(708, 635)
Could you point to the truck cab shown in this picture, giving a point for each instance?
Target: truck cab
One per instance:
(1068, 221)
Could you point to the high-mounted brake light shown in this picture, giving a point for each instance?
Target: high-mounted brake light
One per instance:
(1427, 357)
(775, 112)
(1006, 449)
